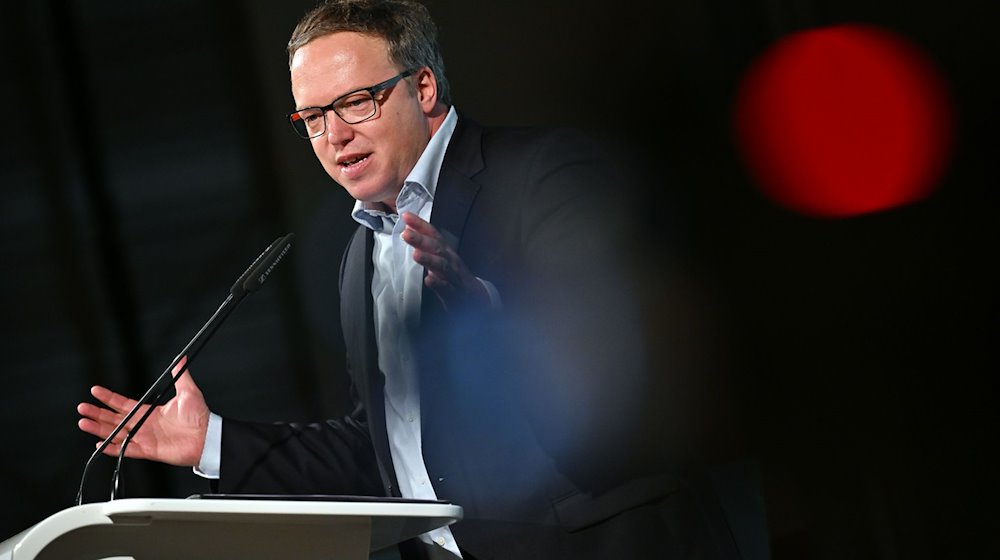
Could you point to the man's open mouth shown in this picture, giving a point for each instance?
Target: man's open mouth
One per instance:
(353, 161)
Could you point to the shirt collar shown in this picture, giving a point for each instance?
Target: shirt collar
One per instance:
(423, 176)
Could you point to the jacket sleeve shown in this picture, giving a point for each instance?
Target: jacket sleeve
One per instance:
(329, 457)
(578, 328)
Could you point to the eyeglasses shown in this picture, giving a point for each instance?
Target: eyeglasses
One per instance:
(353, 108)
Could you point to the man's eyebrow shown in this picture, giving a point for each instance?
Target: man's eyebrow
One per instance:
(349, 92)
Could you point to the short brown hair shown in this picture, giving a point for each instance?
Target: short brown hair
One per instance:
(406, 27)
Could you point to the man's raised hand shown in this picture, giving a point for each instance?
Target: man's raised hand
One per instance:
(446, 272)
(173, 434)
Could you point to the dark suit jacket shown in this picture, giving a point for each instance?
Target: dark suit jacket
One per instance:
(531, 416)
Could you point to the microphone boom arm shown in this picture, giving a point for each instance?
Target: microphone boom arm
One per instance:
(251, 280)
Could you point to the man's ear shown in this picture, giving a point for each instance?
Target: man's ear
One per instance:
(425, 84)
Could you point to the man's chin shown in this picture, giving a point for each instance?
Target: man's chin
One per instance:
(368, 195)
(357, 191)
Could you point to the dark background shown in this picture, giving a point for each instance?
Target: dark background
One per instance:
(144, 162)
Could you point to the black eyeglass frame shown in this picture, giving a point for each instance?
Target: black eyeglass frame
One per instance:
(372, 91)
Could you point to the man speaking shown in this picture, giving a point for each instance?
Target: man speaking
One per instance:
(495, 349)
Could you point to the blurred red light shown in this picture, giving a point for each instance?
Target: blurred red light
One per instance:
(843, 120)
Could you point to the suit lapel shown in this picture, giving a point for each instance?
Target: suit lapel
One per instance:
(456, 190)
(453, 197)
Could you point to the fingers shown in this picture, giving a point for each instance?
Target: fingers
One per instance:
(446, 272)
(111, 399)
(422, 236)
(98, 429)
(429, 248)
(435, 264)
(418, 224)
(438, 282)
(98, 414)
(101, 430)
(100, 422)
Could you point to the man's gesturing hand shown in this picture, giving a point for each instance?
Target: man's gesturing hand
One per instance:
(446, 274)
(173, 434)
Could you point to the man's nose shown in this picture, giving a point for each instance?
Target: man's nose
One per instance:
(337, 131)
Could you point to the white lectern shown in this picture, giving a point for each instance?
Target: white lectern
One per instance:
(214, 529)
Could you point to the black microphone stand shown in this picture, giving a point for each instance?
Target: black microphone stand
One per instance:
(251, 280)
(191, 351)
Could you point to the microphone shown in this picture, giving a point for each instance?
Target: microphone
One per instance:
(250, 281)
(258, 271)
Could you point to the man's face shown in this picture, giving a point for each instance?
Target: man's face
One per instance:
(372, 158)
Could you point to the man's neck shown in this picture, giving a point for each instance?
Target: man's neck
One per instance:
(389, 207)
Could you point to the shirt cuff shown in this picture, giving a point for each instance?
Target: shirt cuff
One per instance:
(491, 290)
(211, 455)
